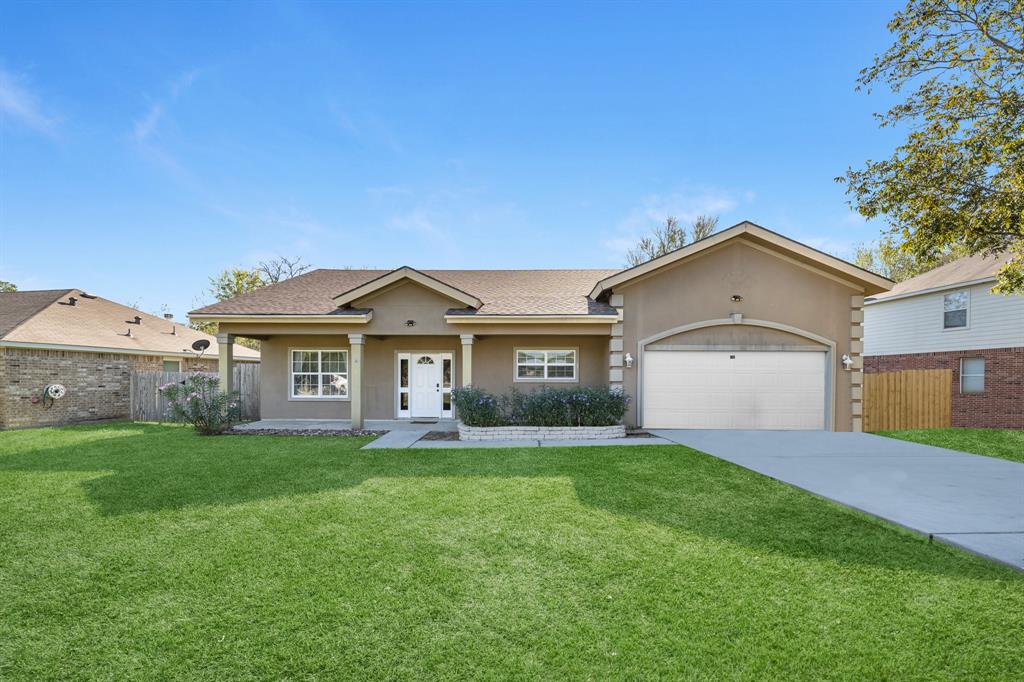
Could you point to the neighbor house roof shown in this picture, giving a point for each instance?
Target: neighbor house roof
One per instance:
(49, 319)
(500, 292)
(970, 269)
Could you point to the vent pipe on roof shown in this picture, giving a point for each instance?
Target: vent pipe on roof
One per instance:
(72, 300)
(168, 316)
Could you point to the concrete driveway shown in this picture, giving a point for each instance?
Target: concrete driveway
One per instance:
(973, 502)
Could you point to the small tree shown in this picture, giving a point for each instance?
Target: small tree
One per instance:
(7, 287)
(889, 260)
(198, 401)
(281, 268)
(669, 237)
(957, 180)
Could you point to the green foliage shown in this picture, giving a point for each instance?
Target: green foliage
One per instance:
(477, 407)
(669, 237)
(1002, 443)
(886, 258)
(7, 287)
(957, 181)
(198, 401)
(145, 552)
(577, 406)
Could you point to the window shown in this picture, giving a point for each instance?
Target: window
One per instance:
(545, 365)
(954, 310)
(319, 374)
(972, 375)
(172, 365)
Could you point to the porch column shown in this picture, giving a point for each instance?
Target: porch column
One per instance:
(467, 359)
(226, 362)
(355, 379)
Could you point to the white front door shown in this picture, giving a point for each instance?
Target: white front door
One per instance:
(425, 386)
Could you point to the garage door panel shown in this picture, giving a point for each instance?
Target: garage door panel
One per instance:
(734, 390)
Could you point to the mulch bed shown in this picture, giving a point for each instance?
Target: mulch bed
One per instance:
(441, 435)
(304, 432)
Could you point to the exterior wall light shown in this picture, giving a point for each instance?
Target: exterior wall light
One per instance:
(847, 361)
(629, 360)
(736, 298)
(410, 323)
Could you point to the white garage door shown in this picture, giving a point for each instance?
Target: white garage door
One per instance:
(733, 389)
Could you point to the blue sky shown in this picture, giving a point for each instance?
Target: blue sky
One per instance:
(145, 147)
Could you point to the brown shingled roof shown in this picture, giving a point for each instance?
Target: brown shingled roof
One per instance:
(968, 269)
(503, 292)
(94, 322)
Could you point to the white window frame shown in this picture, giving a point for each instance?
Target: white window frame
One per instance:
(319, 362)
(545, 379)
(967, 311)
(399, 389)
(982, 375)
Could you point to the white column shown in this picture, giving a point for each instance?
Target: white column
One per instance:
(355, 379)
(467, 359)
(226, 361)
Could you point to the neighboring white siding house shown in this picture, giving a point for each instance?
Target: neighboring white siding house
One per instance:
(914, 323)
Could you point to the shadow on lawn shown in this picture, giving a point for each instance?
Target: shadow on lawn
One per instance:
(146, 468)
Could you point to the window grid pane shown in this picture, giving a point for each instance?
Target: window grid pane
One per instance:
(318, 374)
(551, 364)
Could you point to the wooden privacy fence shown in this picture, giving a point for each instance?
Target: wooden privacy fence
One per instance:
(910, 399)
(148, 405)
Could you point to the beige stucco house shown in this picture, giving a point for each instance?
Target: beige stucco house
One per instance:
(743, 329)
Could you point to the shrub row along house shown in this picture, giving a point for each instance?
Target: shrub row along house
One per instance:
(89, 346)
(948, 318)
(743, 329)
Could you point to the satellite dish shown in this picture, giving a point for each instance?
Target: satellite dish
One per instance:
(200, 345)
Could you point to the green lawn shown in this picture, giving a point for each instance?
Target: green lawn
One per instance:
(144, 551)
(1002, 443)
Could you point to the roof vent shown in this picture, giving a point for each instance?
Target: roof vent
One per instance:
(129, 333)
(72, 300)
(85, 295)
(135, 320)
(168, 316)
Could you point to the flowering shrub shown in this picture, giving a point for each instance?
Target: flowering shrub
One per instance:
(577, 406)
(478, 408)
(199, 402)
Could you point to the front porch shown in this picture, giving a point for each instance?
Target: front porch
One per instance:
(315, 380)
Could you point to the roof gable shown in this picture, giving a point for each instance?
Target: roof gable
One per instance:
(402, 274)
(764, 238)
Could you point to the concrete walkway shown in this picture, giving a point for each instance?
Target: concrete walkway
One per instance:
(973, 502)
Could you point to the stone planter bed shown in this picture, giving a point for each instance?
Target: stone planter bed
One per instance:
(482, 433)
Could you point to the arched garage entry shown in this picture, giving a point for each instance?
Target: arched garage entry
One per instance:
(736, 374)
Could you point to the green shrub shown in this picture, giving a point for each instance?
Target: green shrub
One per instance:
(577, 406)
(198, 401)
(478, 408)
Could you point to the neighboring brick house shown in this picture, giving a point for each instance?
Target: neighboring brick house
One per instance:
(89, 345)
(948, 318)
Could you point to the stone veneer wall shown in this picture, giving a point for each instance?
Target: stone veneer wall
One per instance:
(482, 433)
(97, 384)
(1001, 405)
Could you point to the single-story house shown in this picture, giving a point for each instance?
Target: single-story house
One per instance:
(948, 318)
(743, 329)
(89, 345)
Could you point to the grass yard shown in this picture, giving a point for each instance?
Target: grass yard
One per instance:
(146, 552)
(1002, 443)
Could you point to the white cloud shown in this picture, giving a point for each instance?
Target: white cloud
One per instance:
(145, 128)
(21, 105)
(686, 204)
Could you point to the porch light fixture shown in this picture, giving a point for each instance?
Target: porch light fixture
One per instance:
(736, 298)
(847, 361)
(410, 323)
(629, 360)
